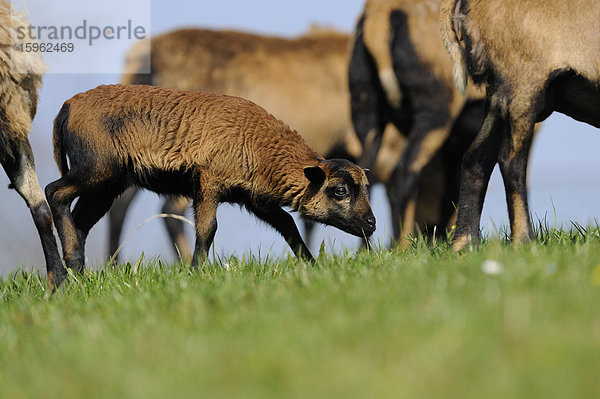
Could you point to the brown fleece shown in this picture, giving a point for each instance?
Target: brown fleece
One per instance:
(234, 140)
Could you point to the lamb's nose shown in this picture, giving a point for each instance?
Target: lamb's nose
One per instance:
(371, 222)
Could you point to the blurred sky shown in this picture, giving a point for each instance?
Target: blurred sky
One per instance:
(564, 168)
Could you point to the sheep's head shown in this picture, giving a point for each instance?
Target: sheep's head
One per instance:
(338, 195)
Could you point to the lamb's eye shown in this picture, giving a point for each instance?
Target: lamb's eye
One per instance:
(340, 191)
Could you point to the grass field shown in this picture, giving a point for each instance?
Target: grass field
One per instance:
(496, 322)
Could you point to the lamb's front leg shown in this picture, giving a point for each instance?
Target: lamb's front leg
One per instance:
(284, 223)
(205, 214)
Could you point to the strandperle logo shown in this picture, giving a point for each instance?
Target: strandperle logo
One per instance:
(85, 31)
(93, 37)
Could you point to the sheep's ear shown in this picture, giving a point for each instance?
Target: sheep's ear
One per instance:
(315, 174)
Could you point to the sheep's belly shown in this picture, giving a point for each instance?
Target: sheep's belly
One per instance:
(180, 182)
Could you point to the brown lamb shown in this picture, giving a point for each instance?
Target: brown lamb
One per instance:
(299, 80)
(208, 147)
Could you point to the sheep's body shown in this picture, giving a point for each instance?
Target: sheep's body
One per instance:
(400, 73)
(264, 70)
(302, 81)
(147, 129)
(20, 79)
(207, 147)
(534, 58)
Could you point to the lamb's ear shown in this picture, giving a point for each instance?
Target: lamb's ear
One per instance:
(368, 173)
(315, 175)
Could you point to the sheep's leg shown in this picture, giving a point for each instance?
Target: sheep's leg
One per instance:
(478, 164)
(368, 104)
(464, 130)
(177, 206)
(89, 209)
(21, 172)
(284, 223)
(205, 214)
(422, 146)
(391, 189)
(60, 194)
(116, 219)
(309, 229)
(513, 156)
(449, 202)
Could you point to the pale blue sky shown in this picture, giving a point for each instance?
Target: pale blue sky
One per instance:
(564, 173)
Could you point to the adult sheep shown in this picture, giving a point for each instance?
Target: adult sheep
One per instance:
(20, 79)
(534, 58)
(400, 73)
(204, 146)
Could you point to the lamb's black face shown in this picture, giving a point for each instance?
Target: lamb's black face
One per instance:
(341, 197)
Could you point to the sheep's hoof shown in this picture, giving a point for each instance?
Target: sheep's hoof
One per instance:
(55, 279)
(78, 266)
(460, 243)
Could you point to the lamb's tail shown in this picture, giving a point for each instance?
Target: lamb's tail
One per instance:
(60, 128)
(451, 29)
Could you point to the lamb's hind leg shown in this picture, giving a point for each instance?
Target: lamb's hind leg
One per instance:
(205, 214)
(21, 172)
(89, 208)
(116, 219)
(60, 194)
(177, 206)
(284, 223)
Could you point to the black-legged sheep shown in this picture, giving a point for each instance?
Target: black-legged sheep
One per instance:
(534, 58)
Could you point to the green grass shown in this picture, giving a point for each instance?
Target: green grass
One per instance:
(418, 323)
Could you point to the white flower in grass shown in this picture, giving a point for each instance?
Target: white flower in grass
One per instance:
(491, 267)
(551, 268)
